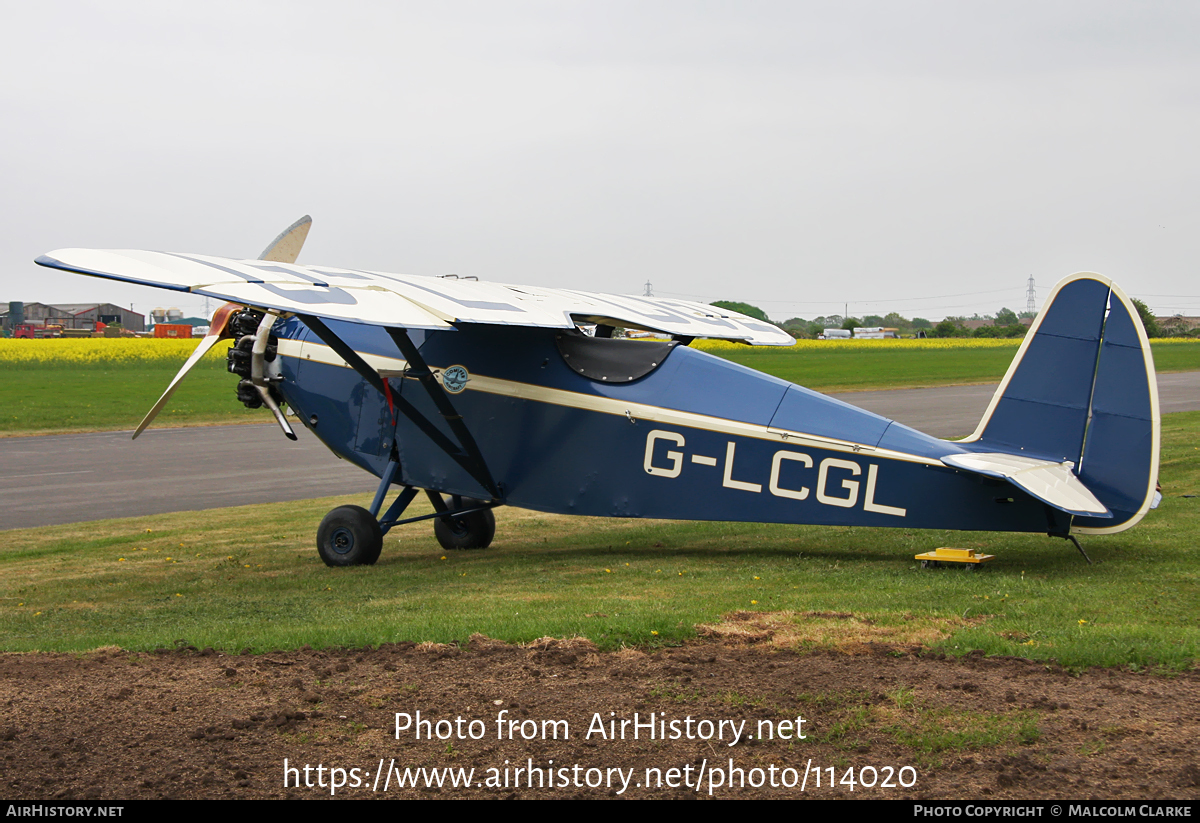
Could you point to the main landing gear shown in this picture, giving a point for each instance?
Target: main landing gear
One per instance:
(473, 530)
(353, 536)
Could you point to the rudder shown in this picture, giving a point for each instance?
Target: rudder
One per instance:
(1082, 390)
(1120, 451)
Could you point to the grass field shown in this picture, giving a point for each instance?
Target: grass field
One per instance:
(881, 364)
(61, 386)
(99, 385)
(249, 577)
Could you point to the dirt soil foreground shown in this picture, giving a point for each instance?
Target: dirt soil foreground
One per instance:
(186, 723)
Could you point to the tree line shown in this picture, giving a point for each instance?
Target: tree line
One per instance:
(1004, 323)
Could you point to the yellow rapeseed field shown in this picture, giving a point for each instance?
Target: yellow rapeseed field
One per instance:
(129, 351)
(100, 351)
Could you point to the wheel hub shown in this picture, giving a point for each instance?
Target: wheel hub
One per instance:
(343, 541)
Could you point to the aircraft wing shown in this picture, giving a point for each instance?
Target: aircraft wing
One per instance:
(408, 301)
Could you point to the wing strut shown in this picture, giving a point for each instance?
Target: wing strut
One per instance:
(418, 368)
(467, 455)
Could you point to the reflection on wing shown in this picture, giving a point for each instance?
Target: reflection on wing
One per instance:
(407, 301)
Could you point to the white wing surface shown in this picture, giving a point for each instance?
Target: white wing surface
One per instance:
(379, 299)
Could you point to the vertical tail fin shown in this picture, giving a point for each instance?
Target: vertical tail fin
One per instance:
(1082, 390)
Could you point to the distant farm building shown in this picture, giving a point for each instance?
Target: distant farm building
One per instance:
(859, 333)
(83, 316)
(1178, 324)
(875, 333)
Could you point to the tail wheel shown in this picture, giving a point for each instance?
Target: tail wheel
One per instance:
(466, 531)
(349, 536)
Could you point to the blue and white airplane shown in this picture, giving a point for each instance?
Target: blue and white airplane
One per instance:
(484, 394)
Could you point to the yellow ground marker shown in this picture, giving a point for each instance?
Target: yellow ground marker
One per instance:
(946, 554)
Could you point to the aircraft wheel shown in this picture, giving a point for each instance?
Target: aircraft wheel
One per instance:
(467, 531)
(349, 536)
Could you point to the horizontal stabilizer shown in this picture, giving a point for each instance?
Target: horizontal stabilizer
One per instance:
(1055, 484)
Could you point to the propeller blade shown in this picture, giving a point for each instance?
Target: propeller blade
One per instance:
(216, 332)
(286, 247)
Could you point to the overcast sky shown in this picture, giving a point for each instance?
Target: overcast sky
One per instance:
(920, 157)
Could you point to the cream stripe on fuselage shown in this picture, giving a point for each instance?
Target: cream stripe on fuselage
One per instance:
(394, 367)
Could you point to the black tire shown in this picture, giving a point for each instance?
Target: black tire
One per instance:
(467, 531)
(349, 536)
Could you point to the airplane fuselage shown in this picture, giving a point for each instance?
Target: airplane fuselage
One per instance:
(695, 438)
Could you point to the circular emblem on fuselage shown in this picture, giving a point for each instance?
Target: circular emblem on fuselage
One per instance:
(454, 379)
